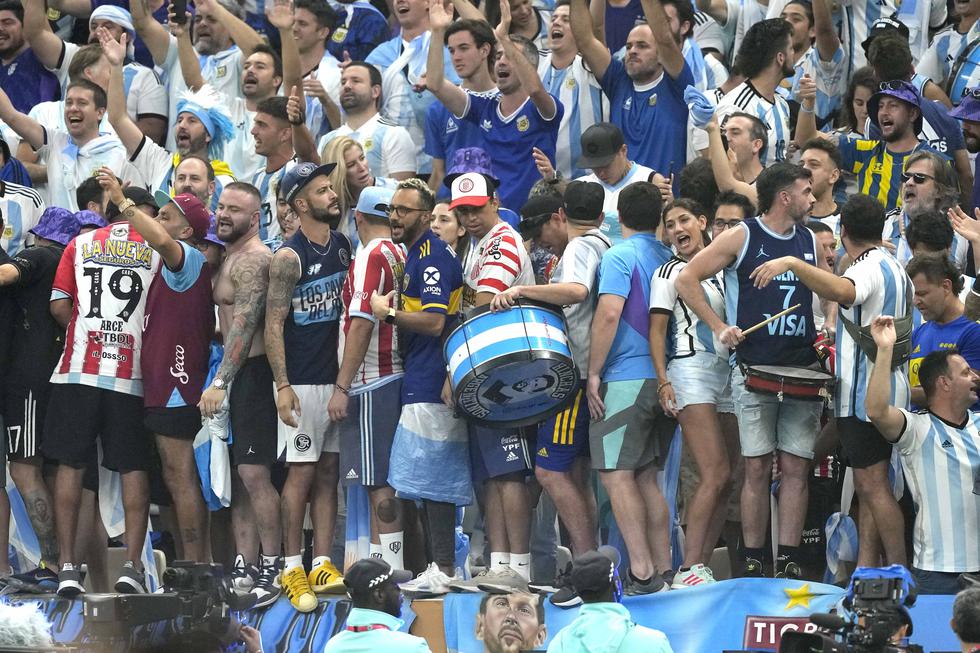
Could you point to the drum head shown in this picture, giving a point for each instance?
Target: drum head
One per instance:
(800, 373)
(518, 391)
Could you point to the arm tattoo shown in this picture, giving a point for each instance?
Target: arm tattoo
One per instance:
(250, 278)
(284, 272)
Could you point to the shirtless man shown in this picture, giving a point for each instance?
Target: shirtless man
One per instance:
(240, 293)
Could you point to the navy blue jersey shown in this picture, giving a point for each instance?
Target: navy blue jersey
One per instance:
(788, 340)
(310, 333)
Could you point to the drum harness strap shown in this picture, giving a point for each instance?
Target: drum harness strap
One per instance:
(903, 329)
(961, 59)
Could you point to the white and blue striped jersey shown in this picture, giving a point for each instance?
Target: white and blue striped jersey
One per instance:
(941, 461)
(743, 14)
(21, 208)
(937, 62)
(709, 35)
(688, 333)
(239, 152)
(861, 15)
(919, 16)
(585, 104)
(881, 288)
(967, 74)
(831, 79)
(268, 185)
(775, 115)
(388, 147)
(610, 224)
(708, 71)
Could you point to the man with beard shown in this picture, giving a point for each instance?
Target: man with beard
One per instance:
(968, 113)
(471, 45)
(240, 293)
(373, 624)
(273, 136)
(765, 424)
(195, 176)
(646, 91)
(222, 39)
(429, 456)
(565, 75)
(202, 128)
(532, 114)
(765, 57)
(368, 388)
(388, 147)
(303, 312)
(879, 165)
(22, 75)
(823, 159)
(74, 153)
(511, 622)
(146, 97)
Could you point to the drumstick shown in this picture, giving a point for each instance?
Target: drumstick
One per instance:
(771, 319)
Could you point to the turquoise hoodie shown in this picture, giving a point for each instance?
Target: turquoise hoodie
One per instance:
(607, 628)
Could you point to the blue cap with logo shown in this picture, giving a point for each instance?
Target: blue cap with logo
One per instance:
(374, 200)
(301, 174)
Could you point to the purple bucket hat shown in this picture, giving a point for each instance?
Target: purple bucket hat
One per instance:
(57, 225)
(88, 218)
(898, 89)
(969, 106)
(212, 236)
(470, 159)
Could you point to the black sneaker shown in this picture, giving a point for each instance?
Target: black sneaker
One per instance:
(654, 585)
(668, 576)
(131, 580)
(70, 581)
(42, 580)
(565, 595)
(267, 588)
(791, 571)
(752, 569)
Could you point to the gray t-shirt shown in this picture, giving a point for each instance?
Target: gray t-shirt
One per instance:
(580, 264)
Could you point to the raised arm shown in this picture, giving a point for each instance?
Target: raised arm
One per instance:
(280, 15)
(466, 9)
(594, 51)
(76, 8)
(190, 62)
(25, 126)
(717, 9)
(526, 73)
(598, 10)
(806, 121)
(449, 94)
(127, 130)
(246, 38)
(154, 35)
(721, 165)
(721, 253)
(45, 44)
(827, 40)
(670, 53)
(284, 272)
(889, 420)
(304, 146)
(152, 231)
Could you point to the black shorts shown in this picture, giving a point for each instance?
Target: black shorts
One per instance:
(23, 415)
(181, 422)
(254, 417)
(861, 442)
(79, 414)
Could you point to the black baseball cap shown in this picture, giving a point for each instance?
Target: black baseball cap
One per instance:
(583, 201)
(140, 197)
(535, 212)
(370, 573)
(600, 144)
(594, 571)
(883, 26)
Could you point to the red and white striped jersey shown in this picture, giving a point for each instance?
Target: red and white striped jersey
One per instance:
(378, 266)
(498, 262)
(106, 273)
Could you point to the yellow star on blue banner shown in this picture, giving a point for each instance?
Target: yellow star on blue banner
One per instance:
(799, 597)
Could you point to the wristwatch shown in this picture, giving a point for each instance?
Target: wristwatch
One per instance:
(390, 317)
(219, 383)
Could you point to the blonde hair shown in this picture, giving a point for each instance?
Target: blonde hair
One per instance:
(334, 152)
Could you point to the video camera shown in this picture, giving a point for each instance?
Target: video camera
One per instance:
(197, 598)
(877, 600)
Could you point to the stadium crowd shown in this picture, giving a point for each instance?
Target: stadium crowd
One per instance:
(257, 223)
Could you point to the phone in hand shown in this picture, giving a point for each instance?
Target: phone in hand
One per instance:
(180, 11)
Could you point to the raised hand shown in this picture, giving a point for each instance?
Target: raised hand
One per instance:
(115, 51)
(807, 89)
(440, 17)
(502, 30)
(543, 163)
(280, 14)
(883, 331)
(294, 110)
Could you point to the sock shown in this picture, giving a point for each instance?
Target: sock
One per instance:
(521, 563)
(638, 579)
(319, 560)
(755, 554)
(293, 561)
(498, 560)
(683, 569)
(375, 550)
(267, 561)
(393, 549)
(786, 554)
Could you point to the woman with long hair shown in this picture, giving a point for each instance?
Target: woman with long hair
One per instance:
(694, 387)
(349, 178)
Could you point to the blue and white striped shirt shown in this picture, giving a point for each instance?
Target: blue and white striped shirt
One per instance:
(21, 208)
(775, 115)
(830, 76)
(579, 92)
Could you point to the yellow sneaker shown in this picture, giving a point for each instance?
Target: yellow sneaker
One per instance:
(327, 578)
(297, 588)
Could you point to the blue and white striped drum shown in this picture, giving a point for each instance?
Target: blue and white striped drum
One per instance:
(965, 71)
(511, 368)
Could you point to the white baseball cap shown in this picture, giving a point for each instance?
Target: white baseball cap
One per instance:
(471, 189)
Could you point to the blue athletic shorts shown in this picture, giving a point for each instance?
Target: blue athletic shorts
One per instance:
(564, 437)
(498, 452)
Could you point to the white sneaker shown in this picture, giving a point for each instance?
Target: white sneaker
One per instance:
(696, 576)
(431, 581)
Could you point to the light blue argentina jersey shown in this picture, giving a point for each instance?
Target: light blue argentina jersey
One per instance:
(775, 115)
(21, 208)
(578, 91)
(831, 79)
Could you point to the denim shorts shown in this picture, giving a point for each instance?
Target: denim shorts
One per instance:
(766, 424)
(703, 378)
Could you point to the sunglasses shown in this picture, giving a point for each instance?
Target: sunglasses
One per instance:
(972, 92)
(893, 85)
(917, 177)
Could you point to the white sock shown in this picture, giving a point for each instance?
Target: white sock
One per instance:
(375, 550)
(293, 562)
(267, 561)
(393, 549)
(499, 560)
(319, 560)
(521, 563)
